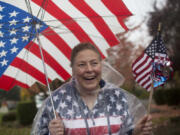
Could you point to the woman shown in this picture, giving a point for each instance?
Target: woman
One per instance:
(87, 105)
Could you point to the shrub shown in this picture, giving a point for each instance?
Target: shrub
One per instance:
(10, 116)
(159, 96)
(140, 93)
(167, 96)
(26, 112)
(173, 97)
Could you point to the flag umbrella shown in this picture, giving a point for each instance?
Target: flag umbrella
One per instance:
(56, 27)
(32, 31)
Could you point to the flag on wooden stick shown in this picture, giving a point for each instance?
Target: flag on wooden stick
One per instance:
(153, 67)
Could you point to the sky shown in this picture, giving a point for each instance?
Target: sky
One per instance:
(140, 10)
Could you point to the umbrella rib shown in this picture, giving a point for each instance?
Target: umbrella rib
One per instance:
(45, 71)
(28, 4)
(45, 2)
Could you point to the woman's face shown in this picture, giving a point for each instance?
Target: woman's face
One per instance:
(87, 70)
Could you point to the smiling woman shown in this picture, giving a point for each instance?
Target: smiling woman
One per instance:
(86, 68)
(88, 105)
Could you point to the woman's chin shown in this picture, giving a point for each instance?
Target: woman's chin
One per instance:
(91, 87)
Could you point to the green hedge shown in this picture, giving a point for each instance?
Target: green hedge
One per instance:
(10, 116)
(26, 112)
(167, 96)
(140, 93)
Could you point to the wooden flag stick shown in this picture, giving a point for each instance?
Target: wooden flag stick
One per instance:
(150, 100)
(152, 87)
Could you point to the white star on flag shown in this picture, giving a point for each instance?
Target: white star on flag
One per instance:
(1, 34)
(26, 28)
(1, 17)
(14, 50)
(2, 44)
(25, 38)
(4, 62)
(13, 14)
(26, 20)
(1, 8)
(13, 31)
(13, 22)
(14, 40)
(3, 53)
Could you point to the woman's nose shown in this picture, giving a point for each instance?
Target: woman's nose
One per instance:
(89, 67)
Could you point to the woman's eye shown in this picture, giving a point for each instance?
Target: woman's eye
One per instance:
(94, 63)
(81, 65)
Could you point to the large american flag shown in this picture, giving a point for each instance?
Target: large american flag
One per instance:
(143, 66)
(61, 24)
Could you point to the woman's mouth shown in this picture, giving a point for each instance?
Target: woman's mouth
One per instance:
(89, 78)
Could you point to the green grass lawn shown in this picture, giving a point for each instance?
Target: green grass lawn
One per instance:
(14, 131)
(171, 127)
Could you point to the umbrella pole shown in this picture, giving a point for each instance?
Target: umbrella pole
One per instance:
(46, 75)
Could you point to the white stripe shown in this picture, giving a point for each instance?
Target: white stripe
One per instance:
(79, 123)
(19, 75)
(107, 15)
(85, 24)
(144, 65)
(55, 53)
(142, 74)
(145, 79)
(36, 62)
(148, 83)
(139, 61)
(160, 54)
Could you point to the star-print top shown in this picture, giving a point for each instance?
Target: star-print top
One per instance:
(109, 115)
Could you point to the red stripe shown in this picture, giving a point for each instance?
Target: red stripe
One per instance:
(118, 8)
(99, 23)
(147, 74)
(60, 15)
(144, 83)
(58, 42)
(142, 64)
(33, 47)
(142, 71)
(100, 130)
(8, 83)
(26, 67)
(137, 60)
(145, 69)
(148, 86)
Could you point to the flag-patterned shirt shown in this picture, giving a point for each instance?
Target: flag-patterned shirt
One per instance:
(68, 104)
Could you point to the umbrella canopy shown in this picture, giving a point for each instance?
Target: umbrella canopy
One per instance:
(58, 25)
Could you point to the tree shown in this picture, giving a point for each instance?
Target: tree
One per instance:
(122, 56)
(170, 19)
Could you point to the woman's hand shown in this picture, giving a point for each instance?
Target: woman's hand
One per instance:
(144, 126)
(56, 126)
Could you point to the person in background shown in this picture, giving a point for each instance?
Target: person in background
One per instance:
(88, 105)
